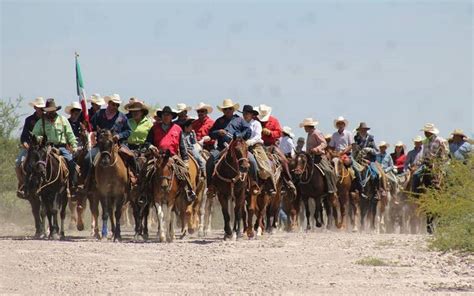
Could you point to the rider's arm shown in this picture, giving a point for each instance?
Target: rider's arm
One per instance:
(126, 130)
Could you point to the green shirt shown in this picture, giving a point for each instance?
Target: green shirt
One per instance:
(139, 131)
(57, 132)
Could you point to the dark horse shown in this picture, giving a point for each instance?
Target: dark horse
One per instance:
(46, 181)
(230, 179)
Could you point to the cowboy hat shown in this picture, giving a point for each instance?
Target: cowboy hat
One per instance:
(166, 109)
(115, 98)
(399, 144)
(189, 121)
(227, 103)
(50, 106)
(340, 119)
(250, 109)
(383, 144)
(265, 112)
(417, 139)
(287, 130)
(74, 105)
(182, 107)
(459, 132)
(38, 102)
(309, 122)
(97, 99)
(202, 106)
(136, 105)
(363, 125)
(327, 136)
(430, 128)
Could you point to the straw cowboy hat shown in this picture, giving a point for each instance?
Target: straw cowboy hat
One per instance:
(227, 103)
(363, 125)
(417, 139)
(137, 105)
(340, 119)
(399, 144)
(202, 106)
(430, 128)
(459, 132)
(265, 112)
(50, 106)
(115, 98)
(383, 144)
(327, 136)
(182, 107)
(38, 102)
(97, 99)
(309, 122)
(166, 109)
(287, 131)
(74, 105)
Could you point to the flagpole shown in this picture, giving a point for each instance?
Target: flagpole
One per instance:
(83, 100)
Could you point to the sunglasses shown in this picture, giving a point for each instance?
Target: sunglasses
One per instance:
(227, 109)
(202, 111)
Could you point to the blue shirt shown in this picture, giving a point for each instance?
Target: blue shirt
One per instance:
(414, 158)
(235, 126)
(460, 151)
(30, 122)
(118, 124)
(386, 161)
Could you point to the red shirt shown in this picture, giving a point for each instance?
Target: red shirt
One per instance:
(399, 162)
(202, 128)
(168, 140)
(274, 126)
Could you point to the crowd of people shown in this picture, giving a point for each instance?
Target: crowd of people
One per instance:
(174, 130)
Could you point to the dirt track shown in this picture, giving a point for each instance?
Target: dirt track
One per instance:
(286, 263)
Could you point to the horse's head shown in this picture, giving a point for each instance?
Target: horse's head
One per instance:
(300, 164)
(239, 150)
(35, 165)
(105, 143)
(165, 169)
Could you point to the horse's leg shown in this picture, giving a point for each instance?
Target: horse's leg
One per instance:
(355, 210)
(307, 211)
(161, 222)
(318, 211)
(118, 213)
(202, 214)
(339, 210)
(35, 210)
(251, 206)
(94, 207)
(144, 220)
(73, 222)
(225, 213)
(238, 207)
(111, 206)
(80, 207)
(105, 215)
(137, 216)
(62, 214)
(329, 212)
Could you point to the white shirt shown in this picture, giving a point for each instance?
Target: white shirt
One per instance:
(287, 145)
(256, 137)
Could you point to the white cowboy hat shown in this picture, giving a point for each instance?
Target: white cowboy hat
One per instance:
(182, 107)
(136, 105)
(417, 139)
(115, 98)
(327, 136)
(97, 99)
(340, 119)
(201, 106)
(74, 105)
(287, 130)
(430, 128)
(38, 102)
(399, 144)
(227, 103)
(459, 132)
(309, 122)
(264, 112)
(383, 144)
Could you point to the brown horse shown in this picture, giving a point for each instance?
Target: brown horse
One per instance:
(348, 201)
(46, 182)
(112, 179)
(230, 179)
(311, 184)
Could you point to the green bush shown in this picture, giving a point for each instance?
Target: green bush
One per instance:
(453, 207)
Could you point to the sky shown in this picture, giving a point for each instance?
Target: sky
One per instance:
(395, 65)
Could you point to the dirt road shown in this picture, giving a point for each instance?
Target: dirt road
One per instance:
(283, 263)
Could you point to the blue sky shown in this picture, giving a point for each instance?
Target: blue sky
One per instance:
(395, 65)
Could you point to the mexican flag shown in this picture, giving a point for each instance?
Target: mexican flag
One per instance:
(82, 95)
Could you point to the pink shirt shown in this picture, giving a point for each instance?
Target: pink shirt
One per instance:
(316, 140)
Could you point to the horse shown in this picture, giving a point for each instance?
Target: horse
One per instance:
(348, 200)
(112, 179)
(274, 207)
(311, 183)
(230, 179)
(46, 182)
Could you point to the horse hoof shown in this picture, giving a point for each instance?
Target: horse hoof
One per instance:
(201, 233)
(55, 236)
(259, 231)
(118, 239)
(227, 236)
(145, 236)
(80, 227)
(96, 236)
(318, 224)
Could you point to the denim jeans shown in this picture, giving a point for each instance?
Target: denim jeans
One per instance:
(21, 157)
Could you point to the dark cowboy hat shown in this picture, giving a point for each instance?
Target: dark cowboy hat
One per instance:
(188, 122)
(362, 125)
(166, 109)
(249, 109)
(51, 106)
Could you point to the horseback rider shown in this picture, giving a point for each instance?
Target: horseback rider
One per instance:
(300, 145)
(75, 118)
(316, 146)
(96, 103)
(59, 133)
(259, 162)
(414, 156)
(109, 118)
(192, 145)
(223, 130)
(203, 125)
(287, 146)
(459, 148)
(387, 166)
(399, 157)
(167, 136)
(25, 138)
(140, 125)
(182, 111)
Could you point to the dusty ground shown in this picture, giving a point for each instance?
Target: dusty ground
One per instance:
(284, 263)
